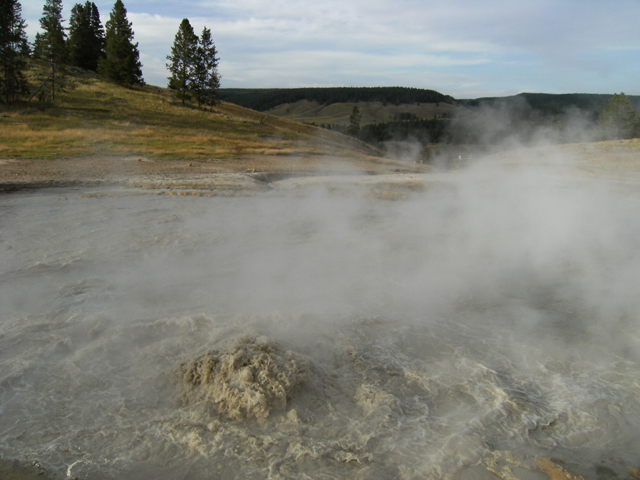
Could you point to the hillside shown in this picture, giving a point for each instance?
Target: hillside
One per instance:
(95, 128)
(372, 112)
(389, 112)
(551, 104)
(266, 99)
(315, 102)
(97, 132)
(333, 106)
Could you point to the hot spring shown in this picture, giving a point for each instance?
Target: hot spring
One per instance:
(476, 328)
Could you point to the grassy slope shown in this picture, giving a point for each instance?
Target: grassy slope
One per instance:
(372, 112)
(93, 117)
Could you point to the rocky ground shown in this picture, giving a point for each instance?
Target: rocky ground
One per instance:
(19, 173)
(617, 161)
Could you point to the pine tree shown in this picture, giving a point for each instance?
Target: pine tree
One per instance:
(51, 44)
(618, 119)
(38, 46)
(86, 36)
(206, 78)
(182, 60)
(12, 40)
(354, 122)
(121, 62)
(53, 47)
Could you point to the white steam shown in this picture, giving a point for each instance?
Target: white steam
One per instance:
(491, 308)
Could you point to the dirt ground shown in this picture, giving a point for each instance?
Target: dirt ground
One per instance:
(616, 160)
(18, 173)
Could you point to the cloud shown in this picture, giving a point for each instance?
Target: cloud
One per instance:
(491, 46)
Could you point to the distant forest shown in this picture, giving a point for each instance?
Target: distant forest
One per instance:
(263, 99)
(551, 104)
(423, 130)
(564, 118)
(482, 121)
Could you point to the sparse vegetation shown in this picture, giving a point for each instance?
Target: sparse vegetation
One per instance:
(94, 117)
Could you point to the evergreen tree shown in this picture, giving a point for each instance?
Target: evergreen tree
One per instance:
(12, 40)
(38, 46)
(182, 60)
(618, 119)
(86, 36)
(354, 122)
(51, 44)
(53, 40)
(121, 62)
(25, 48)
(206, 77)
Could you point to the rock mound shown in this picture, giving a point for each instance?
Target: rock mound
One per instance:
(249, 379)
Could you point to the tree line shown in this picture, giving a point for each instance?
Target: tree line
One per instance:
(86, 44)
(424, 130)
(490, 124)
(408, 127)
(110, 51)
(265, 99)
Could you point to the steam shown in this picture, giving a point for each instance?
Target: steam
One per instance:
(492, 307)
(497, 123)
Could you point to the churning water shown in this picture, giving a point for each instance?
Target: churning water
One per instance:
(490, 313)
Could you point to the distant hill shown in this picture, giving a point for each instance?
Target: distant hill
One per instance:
(372, 112)
(388, 104)
(266, 99)
(551, 104)
(430, 117)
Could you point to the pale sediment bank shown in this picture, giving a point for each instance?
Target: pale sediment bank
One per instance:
(385, 186)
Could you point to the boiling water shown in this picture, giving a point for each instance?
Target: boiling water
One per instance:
(494, 313)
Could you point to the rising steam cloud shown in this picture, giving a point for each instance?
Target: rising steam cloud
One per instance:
(492, 309)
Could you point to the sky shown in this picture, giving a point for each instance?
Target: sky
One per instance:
(463, 48)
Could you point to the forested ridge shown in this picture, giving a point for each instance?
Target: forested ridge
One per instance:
(550, 103)
(562, 117)
(265, 99)
(423, 130)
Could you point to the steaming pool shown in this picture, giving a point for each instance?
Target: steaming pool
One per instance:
(473, 330)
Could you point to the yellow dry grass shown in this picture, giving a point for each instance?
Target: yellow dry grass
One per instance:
(93, 117)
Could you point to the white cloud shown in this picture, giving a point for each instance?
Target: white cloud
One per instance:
(490, 46)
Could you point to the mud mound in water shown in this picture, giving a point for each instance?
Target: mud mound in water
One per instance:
(250, 378)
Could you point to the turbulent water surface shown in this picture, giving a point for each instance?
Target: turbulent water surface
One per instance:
(496, 313)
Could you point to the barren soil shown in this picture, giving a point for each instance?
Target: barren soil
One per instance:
(245, 172)
(615, 160)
